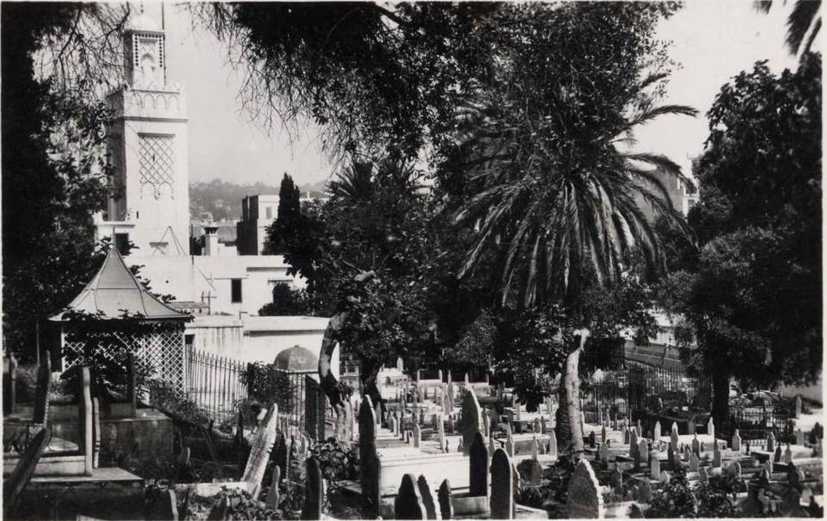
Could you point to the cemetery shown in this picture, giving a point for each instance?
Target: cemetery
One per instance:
(488, 294)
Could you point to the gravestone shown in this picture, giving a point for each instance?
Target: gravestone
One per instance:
(392, 424)
(585, 500)
(702, 475)
(427, 498)
(543, 428)
(441, 432)
(776, 458)
(657, 431)
(592, 440)
(603, 435)
(673, 438)
(771, 442)
(643, 451)
(273, 493)
(509, 445)
(535, 448)
(444, 500)
(478, 467)
(377, 411)
(710, 428)
(633, 445)
(716, 455)
(417, 436)
(626, 436)
(552, 444)
(14, 484)
(693, 462)
(616, 479)
(502, 479)
(314, 490)
(537, 425)
(797, 405)
(603, 453)
(644, 491)
(736, 441)
(788, 455)
(471, 423)
(408, 503)
(670, 454)
(799, 437)
(369, 472)
(690, 426)
(654, 466)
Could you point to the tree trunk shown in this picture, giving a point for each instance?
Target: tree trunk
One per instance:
(568, 428)
(720, 398)
(327, 381)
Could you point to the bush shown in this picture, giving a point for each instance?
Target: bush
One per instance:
(336, 461)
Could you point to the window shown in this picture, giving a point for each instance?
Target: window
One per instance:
(122, 243)
(235, 291)
(269, 211)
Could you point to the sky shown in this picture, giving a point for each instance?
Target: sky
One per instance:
(711, 40)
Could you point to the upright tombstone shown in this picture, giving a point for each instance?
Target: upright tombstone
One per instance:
(369, 460)
(502, 479)
(799, 437)
(585, 500)
(736, 441)
(696, 446)
(478, 466)
(408, 503)
(543, 428)
(657, 431)
(273, 497)
(535, 448)
(633, 445)
(603, 435)
(690, 426)
(427, 498)
(716, 455)
(645, 491)
(603, 453)
(471, 423)
(798, 405)
(536, 426)
(552, 444)
(710, 428)
(314, 490)
(626, 435)
(86, 420)
(444, 500)
(771, 442)
(702, 475)
(643, 451)
(441, 431)
(673, 438)
(694, 463)
(654, 466)
(776, 458)
(417, 436)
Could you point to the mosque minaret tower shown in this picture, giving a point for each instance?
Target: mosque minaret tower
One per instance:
(149, 202)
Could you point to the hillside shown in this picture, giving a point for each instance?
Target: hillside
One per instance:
(219, 200)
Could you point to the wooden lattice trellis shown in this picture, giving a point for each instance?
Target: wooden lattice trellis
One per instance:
(161, 349)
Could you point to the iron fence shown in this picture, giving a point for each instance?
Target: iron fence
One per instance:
(214, 383)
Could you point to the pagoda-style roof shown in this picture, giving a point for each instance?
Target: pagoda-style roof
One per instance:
(114, 291)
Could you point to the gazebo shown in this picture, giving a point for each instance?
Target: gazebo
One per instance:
(115, 298)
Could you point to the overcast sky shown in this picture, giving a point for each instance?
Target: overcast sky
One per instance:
(712, 41)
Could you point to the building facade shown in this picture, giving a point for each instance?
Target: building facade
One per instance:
(257, 213)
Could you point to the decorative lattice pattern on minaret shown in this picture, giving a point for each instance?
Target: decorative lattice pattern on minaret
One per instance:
(157, 163)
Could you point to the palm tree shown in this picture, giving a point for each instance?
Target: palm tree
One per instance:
(553, 187)
(803, 23)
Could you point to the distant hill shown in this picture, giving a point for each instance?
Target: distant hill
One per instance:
(219, 200)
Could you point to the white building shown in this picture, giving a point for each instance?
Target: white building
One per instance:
(149, 206)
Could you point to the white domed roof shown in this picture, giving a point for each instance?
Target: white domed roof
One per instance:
(143, 23)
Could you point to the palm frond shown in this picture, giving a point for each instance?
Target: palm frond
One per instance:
(804, 14)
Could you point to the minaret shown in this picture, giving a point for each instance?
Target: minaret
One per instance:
(148, 150)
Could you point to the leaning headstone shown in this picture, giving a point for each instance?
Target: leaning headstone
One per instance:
(471, 423)
(771, 442)
(446, 509)
(427, 498)
(408, 503)
(14, 484)
(502, 478)
(478, 467)
(314, 490)
(657, 431)
(585, 500)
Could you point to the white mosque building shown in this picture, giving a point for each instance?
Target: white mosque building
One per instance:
(149, 206)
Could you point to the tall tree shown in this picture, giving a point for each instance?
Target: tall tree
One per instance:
(803, 23)
(288, 218)
(754, 290)
(546, 182)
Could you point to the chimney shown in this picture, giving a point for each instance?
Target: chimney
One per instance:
(210, 240)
